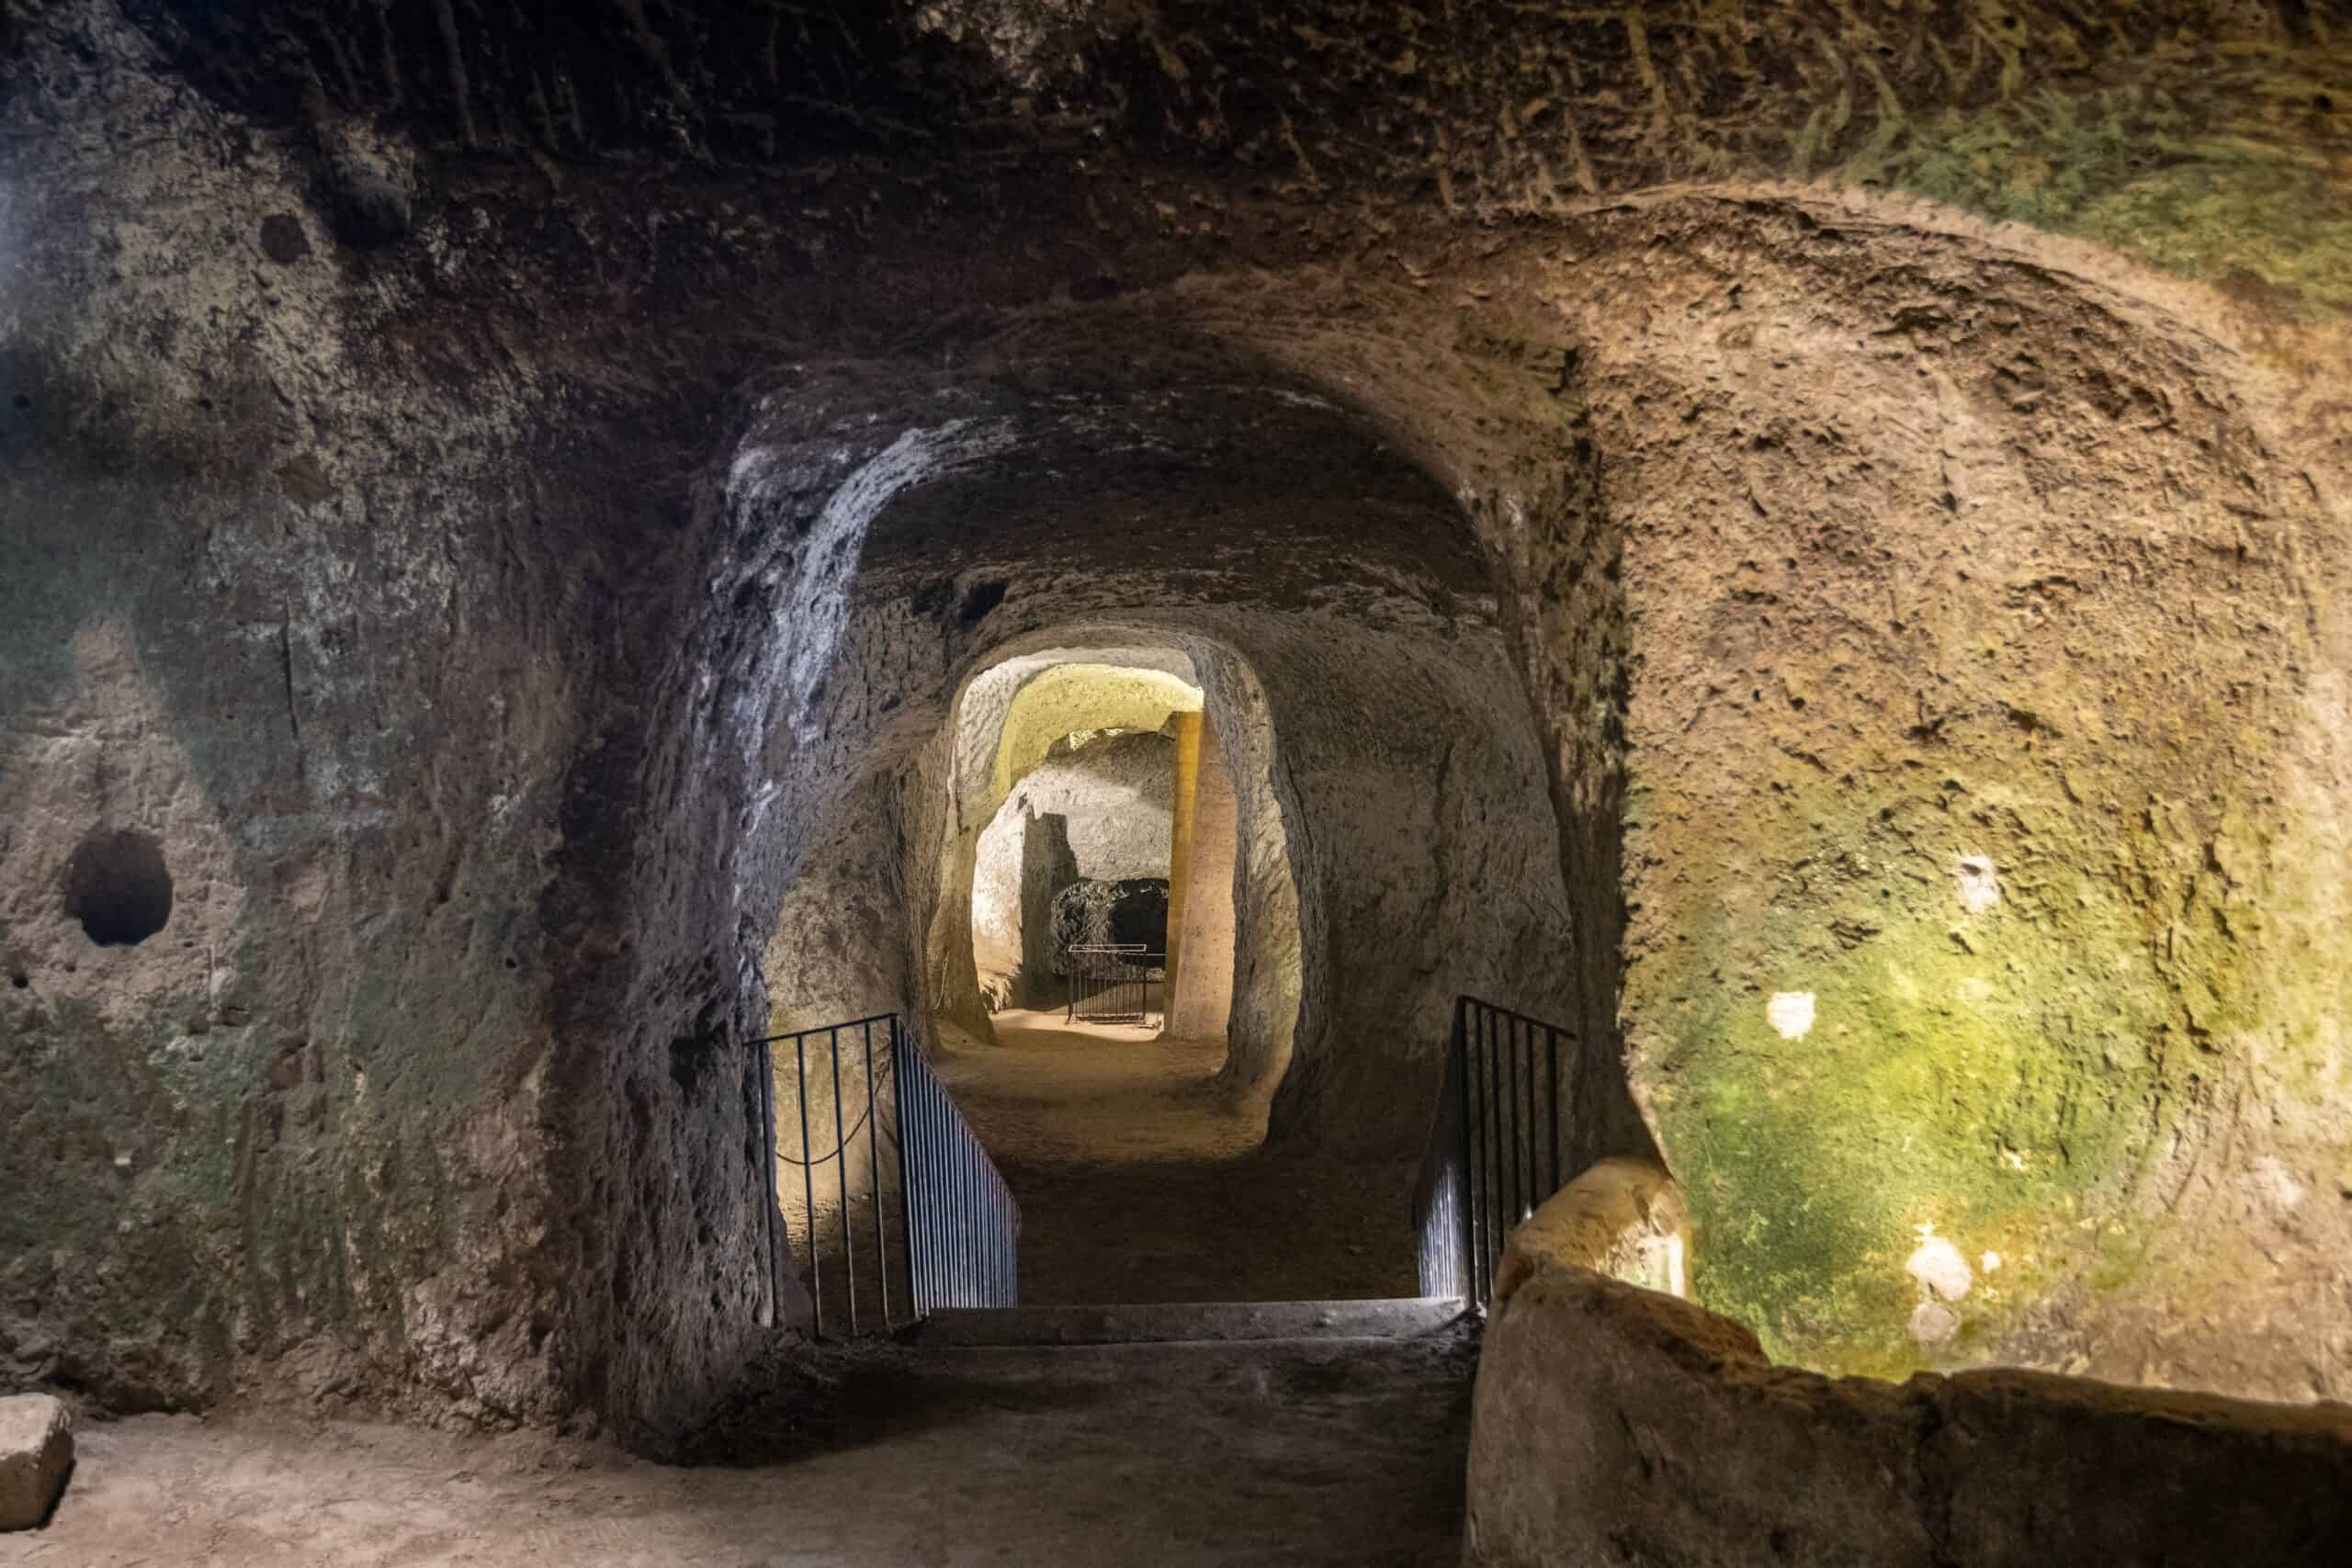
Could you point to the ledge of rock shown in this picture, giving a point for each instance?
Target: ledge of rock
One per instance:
(1619, 1424)
(1623, 1217)
(36, 1455)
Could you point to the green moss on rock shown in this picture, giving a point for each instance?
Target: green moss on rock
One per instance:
(2236, 175)
(1979, 1078)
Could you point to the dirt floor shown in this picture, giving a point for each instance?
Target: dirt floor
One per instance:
(1344, 1452)
(1138, 1182)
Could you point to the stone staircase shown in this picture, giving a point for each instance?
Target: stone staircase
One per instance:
(1408, 1317)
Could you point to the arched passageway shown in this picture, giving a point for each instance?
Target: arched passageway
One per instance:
(1392, 842)
(499, 524)
(1080, 845)
(1135, 1145)
(1669, 942)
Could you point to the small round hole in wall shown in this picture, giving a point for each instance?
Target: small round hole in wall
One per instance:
(118, 886)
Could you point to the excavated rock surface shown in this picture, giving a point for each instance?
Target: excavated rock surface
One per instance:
(1613, 1423)
(998, 720)
(1129, 912)
(1100, 812)
(487, 582)
(2205, 136)
(1007, 718)
(1050, 704)
(1985, 696)
(1183, 1456)
(1413, 824)
(36, 1457)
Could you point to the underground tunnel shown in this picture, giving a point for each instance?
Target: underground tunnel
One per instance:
(1043, 781)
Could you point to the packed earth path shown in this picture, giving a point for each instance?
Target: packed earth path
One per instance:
(1141, 1179)
(1330, 1451)
(1307, 1453)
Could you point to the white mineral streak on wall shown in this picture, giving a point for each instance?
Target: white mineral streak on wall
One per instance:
(1791, 1013)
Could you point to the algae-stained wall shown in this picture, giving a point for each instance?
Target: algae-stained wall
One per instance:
(341, 989)
(1983, 748)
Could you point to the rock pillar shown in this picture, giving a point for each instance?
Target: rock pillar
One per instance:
(1200, 926)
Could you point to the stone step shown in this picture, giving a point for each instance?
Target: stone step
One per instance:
(1402, 1317)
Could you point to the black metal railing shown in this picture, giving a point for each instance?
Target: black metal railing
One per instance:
(965, 1226)
(888, 1206)
(1494, 1149)
(1111, 982)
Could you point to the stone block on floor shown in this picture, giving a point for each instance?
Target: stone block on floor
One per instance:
(35, 1452)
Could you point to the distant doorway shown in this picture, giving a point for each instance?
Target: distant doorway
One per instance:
(1082, 874)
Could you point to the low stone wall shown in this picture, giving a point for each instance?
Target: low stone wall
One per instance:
(1623, 1217)
(1616, 1425)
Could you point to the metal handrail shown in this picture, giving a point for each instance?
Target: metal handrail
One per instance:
(963, 1225)
(1494, 1147)
(958, 1228)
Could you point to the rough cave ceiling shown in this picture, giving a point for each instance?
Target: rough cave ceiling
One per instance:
(1178, 482)
(2207, 137)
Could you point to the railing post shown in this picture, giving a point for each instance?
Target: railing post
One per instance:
(941, 1249)
(1514, 1125)
(764, 1064)
(1552, 1100)
(1464, 1226)
(1489, 1163)
(958, 1225)
(808, 1186)
(1473, 1047)
(906, 1185)
(1527, 1136)
(873, 1174)
(960, 1251)
(840, 1161)
(914, 1116)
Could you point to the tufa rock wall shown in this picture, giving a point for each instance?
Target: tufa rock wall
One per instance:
(1614, 1424)
(479, 581)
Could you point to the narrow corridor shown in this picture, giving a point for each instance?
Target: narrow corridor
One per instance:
(1140, 1180)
